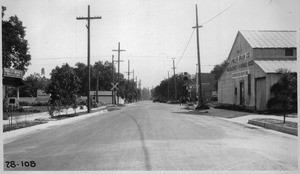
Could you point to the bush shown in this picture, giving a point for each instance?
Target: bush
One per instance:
(20, 110)
(234, 107)
(24, 103)
(40, 104)
(82, 102)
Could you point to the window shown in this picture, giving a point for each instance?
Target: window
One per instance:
(288, 52)
(235, 90)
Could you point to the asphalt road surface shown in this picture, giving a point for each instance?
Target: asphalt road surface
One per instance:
(153, 136)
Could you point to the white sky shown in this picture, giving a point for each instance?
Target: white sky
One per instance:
(151, 31)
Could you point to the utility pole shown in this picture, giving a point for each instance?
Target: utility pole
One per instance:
(97, 88)
(113, 78)
(200, 103)
(133, 75)
(197, 80)
(168, 87)
(174, 78)
(88, 55)
(140, 83)
(119, 50)
(128, 72)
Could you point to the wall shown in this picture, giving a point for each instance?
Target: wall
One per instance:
(240, 64)
(273, 53)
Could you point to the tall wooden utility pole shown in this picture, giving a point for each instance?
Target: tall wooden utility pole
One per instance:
(140, 83)
(88, 55)
(119, 50)
(174, 78)
(128, 72)
(97, 88)
(168, 87)
(200, 103)
(113, 78)
(133, 75)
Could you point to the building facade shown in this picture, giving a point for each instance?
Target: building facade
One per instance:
(253, 64)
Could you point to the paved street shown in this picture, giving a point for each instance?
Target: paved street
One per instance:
(154, 136)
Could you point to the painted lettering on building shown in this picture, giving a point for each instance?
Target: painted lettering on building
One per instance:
(240, 74)
(239, 62)
(7, 72)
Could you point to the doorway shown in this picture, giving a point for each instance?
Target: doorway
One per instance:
(242, 93)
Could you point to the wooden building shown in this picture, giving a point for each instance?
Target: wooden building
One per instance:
(253, 63)
(12, 78)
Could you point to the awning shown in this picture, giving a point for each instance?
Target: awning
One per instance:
(10, 81)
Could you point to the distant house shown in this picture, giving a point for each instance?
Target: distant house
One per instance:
(254, 60)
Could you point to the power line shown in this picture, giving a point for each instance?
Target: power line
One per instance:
(217, 15)
(185, 47)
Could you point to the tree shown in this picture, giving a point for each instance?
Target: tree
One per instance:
(43, 71)
(284, 92)
(218, 71)
(63, 87)
(82, 73)
(145, 94)
(32, 83)
(161, 91)
(15, 50)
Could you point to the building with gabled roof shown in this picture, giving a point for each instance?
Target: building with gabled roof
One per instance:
(253, 64)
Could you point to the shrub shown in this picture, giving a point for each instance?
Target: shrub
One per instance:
(24, 103)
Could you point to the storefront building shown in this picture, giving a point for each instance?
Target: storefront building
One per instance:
(13, 78)
(253, 64)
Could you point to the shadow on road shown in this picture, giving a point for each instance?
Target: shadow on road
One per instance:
(146, 153)
(215, 113)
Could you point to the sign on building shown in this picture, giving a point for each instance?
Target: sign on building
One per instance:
(7, 72)
(42, 96)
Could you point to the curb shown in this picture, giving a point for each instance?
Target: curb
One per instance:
(282, 129)
(14, 134)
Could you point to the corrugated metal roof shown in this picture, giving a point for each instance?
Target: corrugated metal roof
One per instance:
(272, 66)
(270, 39)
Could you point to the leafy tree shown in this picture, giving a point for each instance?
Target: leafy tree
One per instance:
(284, 92)
(161, 91)
(82, 73)
(145, 94)
(32, 83)
(43, 71)
(218, 71)
(105, 72)
(15, 50)
(63, 87)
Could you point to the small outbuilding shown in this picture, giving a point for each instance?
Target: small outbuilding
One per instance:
(253, 64)
(12, 78)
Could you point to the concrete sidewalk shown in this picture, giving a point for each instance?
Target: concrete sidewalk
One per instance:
(46, 115)
(245, 119)
(10, 136)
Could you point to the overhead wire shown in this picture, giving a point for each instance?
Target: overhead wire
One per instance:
(202, 24)
(186, 47)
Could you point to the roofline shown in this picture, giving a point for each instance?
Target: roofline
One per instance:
(273, 47)
(271, 30)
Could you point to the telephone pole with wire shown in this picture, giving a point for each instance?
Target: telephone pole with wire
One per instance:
(174, 78)
(129, 72)
(168, 87)
(119, 51)
(200, 103)
(88, 18)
